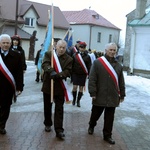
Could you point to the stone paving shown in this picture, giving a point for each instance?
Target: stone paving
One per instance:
(25, 129)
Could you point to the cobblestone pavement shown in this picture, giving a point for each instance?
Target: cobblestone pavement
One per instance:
(25, 129)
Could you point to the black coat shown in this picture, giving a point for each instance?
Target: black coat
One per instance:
(22, 53)
(77, 68)
(14, 64)
(37, 57)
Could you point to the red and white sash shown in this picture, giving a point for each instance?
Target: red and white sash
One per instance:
(7, 73)
(57, 66)
(81, 62)
(75, 49)
(110, 70)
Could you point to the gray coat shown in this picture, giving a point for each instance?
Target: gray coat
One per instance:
(102, 85)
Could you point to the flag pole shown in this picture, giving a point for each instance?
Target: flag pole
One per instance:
(66, 34)
(52, 65)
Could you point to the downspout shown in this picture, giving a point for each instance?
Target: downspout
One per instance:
(132, 52)
(90, 36)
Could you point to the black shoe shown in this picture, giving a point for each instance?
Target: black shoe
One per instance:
(109, 140)
(37, 80)
(47, 128)
(90, 130)
(2, 131)
(60, 135)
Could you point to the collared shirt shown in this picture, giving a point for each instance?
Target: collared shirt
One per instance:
(15, 47)
(4, 52)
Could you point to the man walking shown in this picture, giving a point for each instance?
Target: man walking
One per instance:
(11, 78)
(107, 89)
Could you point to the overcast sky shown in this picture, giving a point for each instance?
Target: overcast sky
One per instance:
(114, 11)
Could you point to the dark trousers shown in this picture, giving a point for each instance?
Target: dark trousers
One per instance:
(58, 112)
(4, 114)
(108, 118)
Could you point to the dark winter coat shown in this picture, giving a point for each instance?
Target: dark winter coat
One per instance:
(37, 57)
(66, 65)
(22, 53)
(77, 68)
(14, 63)
(102, 86)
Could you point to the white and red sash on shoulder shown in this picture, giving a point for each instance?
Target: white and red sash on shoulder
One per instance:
(81, 62)
(7, 73)
(110, 70)
(75, 49)
(57, 66)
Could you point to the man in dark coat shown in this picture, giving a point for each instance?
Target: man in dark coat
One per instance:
(11, 78)
(107, 89)
(38, 74)
(50, 73)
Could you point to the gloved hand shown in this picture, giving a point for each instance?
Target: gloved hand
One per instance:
(60, 76)
(53, 75)
(49, 70)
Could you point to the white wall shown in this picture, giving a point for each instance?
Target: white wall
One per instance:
(82, 32)
(41, 31)
(105, 32)
(142, 48)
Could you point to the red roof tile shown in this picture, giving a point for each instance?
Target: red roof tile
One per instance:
(87, 16)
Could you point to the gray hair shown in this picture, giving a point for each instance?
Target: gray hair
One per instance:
(109, 44)
(62, 42)
(2, 36)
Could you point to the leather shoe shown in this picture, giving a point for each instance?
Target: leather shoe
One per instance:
(47, 128)
(60, 135)
(109, 140)
(90, 130)
(2, 131)
(37, 80)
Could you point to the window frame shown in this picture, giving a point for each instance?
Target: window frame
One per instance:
(29, 22)
(99, 37)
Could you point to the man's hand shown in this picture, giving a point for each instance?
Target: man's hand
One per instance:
(18, 93)
(121, 100)
(53, 75)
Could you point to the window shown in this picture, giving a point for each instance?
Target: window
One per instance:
(110, 38)
(99, 37)
(29, 22)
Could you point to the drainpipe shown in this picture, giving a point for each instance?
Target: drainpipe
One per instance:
(132, 51)
(90, 36)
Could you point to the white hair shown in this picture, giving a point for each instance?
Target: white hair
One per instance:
(110, 44)
(62, 42)
(2, 36)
